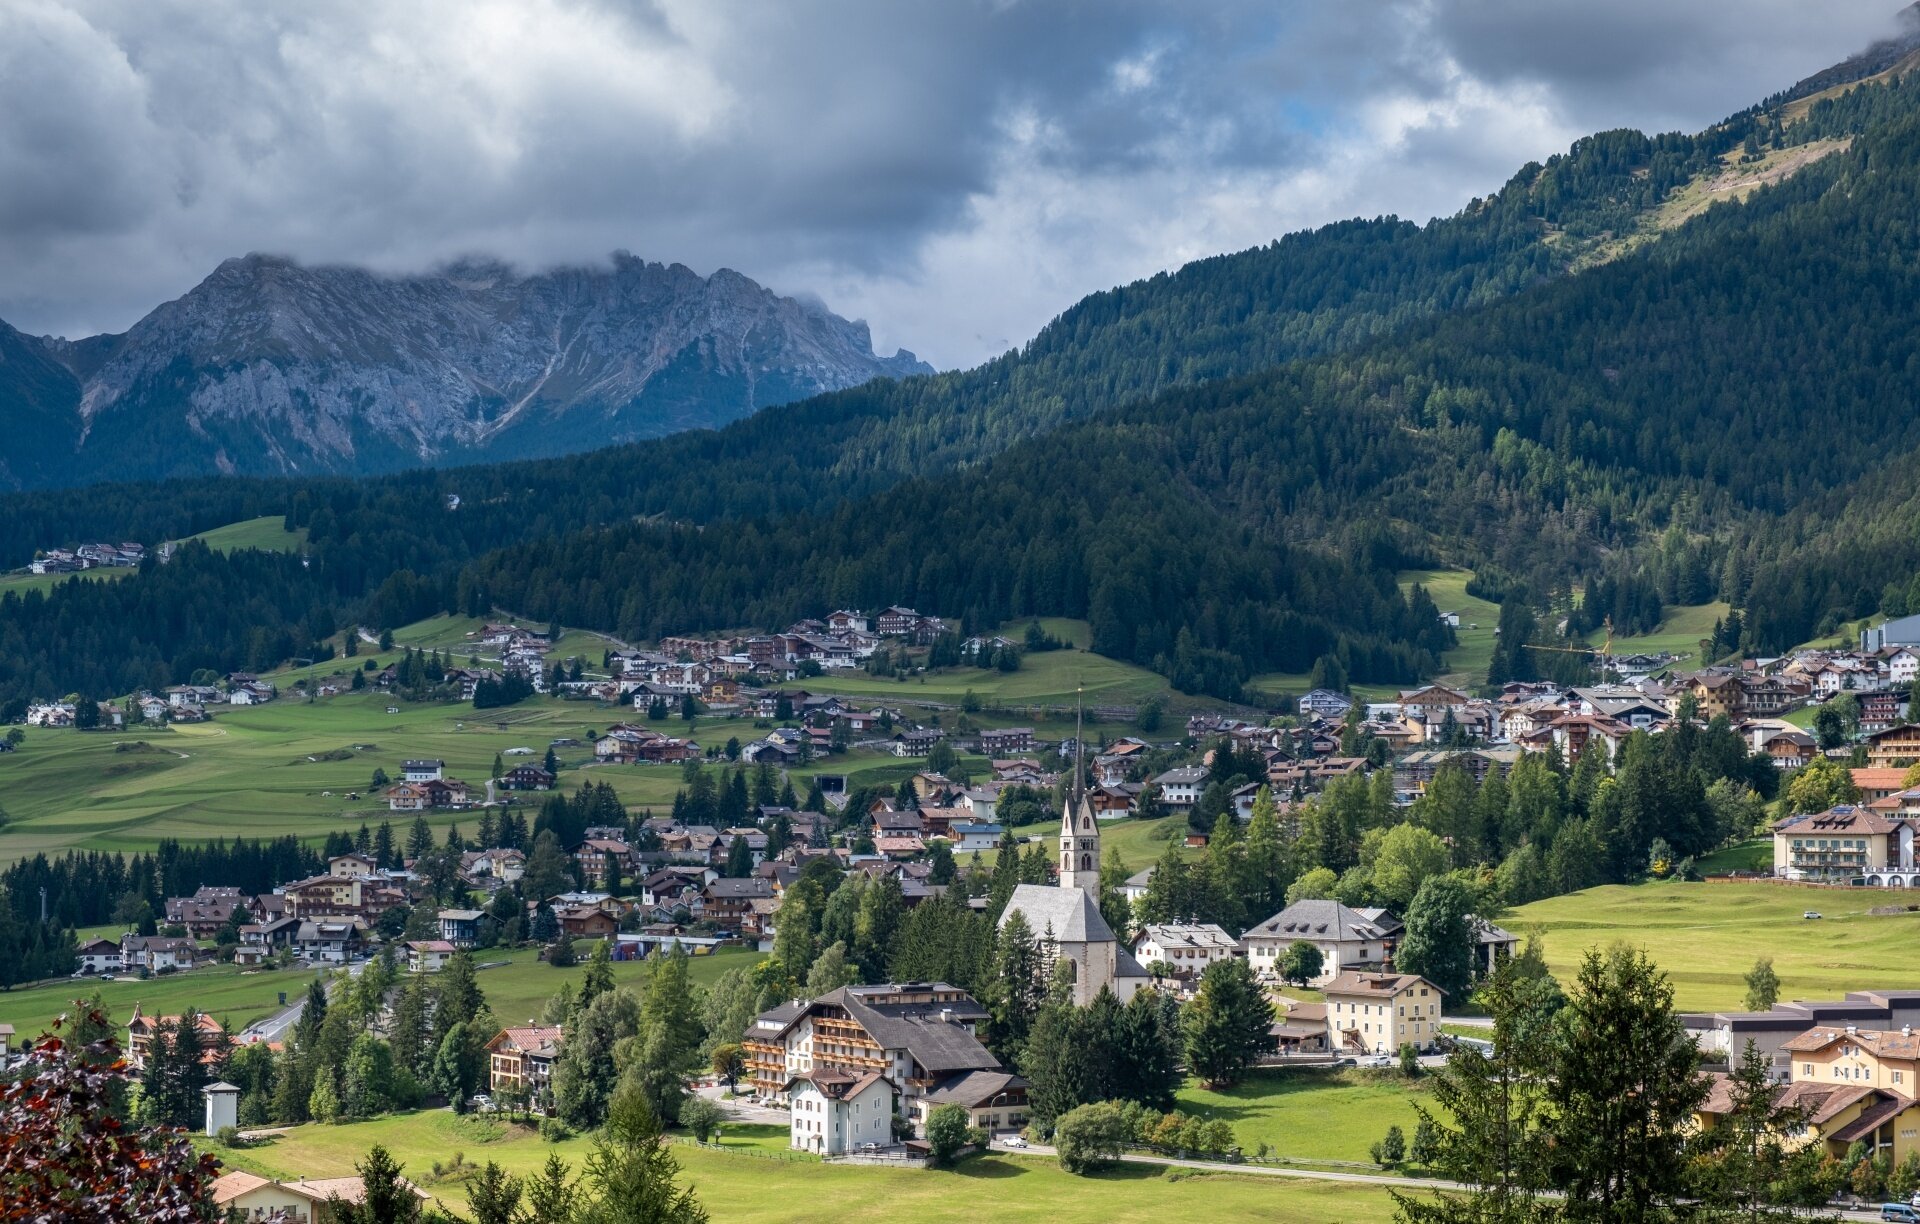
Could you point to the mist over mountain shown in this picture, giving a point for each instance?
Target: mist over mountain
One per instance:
(270, 367)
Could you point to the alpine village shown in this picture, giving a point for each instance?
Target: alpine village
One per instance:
(1407, 721)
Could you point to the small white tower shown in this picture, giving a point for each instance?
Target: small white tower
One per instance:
(223, 1106)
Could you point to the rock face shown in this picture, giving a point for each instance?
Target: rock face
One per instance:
(269, 367)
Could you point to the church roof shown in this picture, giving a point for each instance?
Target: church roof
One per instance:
(1070, 912)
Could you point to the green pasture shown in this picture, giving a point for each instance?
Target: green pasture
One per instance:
(744, 1186)
(269, 534)
(1706, 936)
(1311, 1115)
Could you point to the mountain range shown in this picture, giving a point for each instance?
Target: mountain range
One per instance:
(1650, 371)
(271, 367)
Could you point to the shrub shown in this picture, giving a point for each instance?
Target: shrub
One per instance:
(229, 1137)
(701, 1117)
(1090, 1136)
(553, 1130)
(947, 1132)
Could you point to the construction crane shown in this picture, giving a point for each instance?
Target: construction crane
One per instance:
(1605, 653)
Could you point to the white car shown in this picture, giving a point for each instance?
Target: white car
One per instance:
(1013, 1141)
(1810, 914)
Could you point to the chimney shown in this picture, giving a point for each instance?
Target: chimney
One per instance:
(946, 1015)
(1852, 1029)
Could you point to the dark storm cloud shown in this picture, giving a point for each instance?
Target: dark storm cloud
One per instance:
(956, 170)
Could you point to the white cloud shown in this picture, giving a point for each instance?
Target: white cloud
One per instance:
(955, 173)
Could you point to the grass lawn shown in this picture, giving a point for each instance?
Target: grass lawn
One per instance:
(224, 992)
(516, 991)
(1680, 632)
(1312, 1115)
(267, 534)
(20, 582)
(746, 1189)
(1706, 936)
(1755, 855)
(1466, 662)
(1141, 842)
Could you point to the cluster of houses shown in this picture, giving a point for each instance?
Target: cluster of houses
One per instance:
(86, 557)
(1868, 843)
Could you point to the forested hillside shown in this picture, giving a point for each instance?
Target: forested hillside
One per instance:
(1688, 416)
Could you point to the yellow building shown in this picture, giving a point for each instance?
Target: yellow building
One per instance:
(1377, 1013)
(1853, 1085)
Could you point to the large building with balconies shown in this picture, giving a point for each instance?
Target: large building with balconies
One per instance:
(1844, 844)
(918, 1035)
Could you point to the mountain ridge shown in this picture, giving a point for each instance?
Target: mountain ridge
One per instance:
(272, 366)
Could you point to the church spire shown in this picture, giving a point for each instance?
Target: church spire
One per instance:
(1079, 832)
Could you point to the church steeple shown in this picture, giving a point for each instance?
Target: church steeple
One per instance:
(1079, 831)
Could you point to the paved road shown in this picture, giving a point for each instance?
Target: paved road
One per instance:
(271, 1027)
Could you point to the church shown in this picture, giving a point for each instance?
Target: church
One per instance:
(1070, 913)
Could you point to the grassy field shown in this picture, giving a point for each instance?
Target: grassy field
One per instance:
(1140, 842)
(516, 990)
(1706, 936)
(740, 1188)
(1755, 855)
(20, 582)
(1466, 662)
(1679, 632)
(268, 534)
(1312, 1115)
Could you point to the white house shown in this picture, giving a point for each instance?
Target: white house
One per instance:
(968, 836)
(422, 771)
(97, 956)
(155, 953)
(1188, 947)
(1903, 666)
(835, 1112)
(428, 955)
(1180, 788)
(1346, 938)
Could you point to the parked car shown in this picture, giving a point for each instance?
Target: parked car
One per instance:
(1811, 914)
(1013, 1141)
(1900, 1211)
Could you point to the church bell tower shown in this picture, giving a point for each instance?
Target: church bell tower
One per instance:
(1079, 831)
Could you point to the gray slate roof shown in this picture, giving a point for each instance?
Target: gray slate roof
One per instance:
(1071, 912)
(1318, 920)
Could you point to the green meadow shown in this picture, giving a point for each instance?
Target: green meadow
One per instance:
(1706, 936)
(744, 1186)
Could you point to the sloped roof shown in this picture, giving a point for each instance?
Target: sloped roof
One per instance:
(1317, 919)
(974, 1088)
(1070, 912)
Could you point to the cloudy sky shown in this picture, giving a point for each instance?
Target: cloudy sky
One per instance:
(954, 171)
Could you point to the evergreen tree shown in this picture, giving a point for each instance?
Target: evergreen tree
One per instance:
(1227, 1023)
(630, 1175)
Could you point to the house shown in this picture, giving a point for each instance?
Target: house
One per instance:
(835, 1112)
(968, 836)
(1726, 1034)
(1877, 784)
(352, 867)
(141, 1029)
(206, 911)
(597, 854)
(520, 1060)
(428, 955)
(329, 941)
(1180, 788)
(917, 742)
(586, 922)
(1377, 1013)
(1188, 948)
(460, 927)
(1006, 741)
(246, 1196)
(1325, 703)
(727, 902)
(1345, 937)
(918, 1034)
(1895, 747)
(97, 956)
(408, 797)
(156, 953)
(422, 771)
(1852, 1085)
(526, 778)
(994, 1100)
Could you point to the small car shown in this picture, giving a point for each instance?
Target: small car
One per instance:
(1811, 914)
(106, 977)
(1013, 1141)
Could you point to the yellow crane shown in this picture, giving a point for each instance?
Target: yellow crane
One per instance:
(1605, 652)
